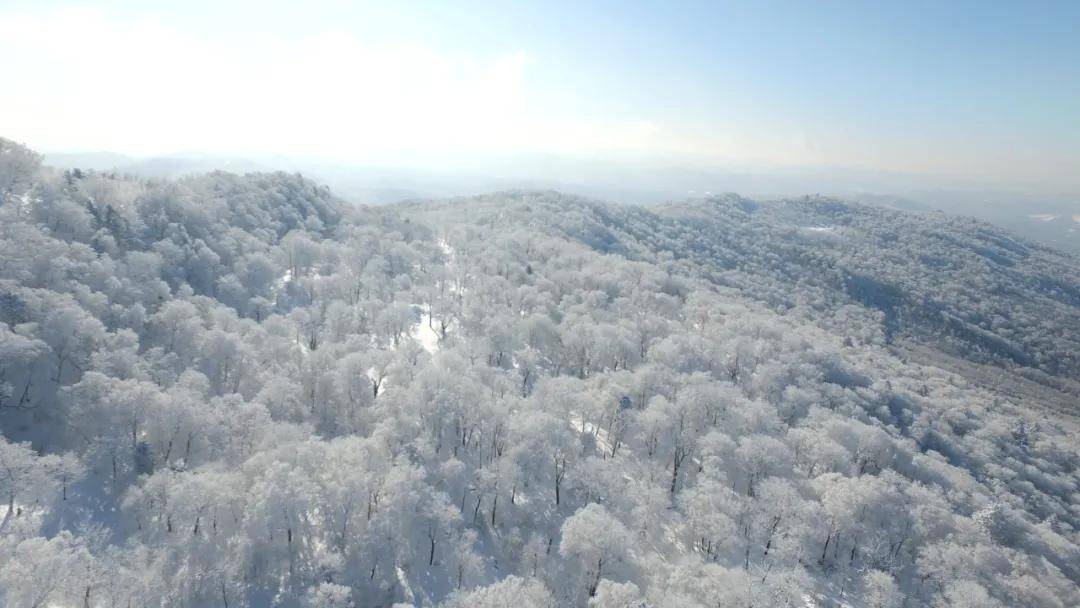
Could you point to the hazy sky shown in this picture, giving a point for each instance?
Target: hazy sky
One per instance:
(979, 89)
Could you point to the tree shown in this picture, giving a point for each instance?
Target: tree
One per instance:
(510, 591)
(965, 594)
(18, 355)
(72, 334)
(111, 417)
(595, 538)
(28, 481)
(18, 167)
(545, 447)
(671, 430)
(328, 595)
(617, 595)
(42, 572)
(880, 590)
(711, 509)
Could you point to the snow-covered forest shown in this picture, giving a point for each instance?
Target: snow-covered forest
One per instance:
(241, 391)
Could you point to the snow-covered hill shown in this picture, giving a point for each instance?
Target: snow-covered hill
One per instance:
(236, 390)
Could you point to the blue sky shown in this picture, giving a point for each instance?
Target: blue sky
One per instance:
(981, 90)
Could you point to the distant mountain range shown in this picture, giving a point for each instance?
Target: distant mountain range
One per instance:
(1053, 219)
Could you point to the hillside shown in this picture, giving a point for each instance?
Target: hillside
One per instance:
(968, 287)
(231, 390)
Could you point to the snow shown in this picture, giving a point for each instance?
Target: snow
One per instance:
(579, 424)
(21, 513)
(1043, 217)
(658, 519)
(283, 280)
(821, 600)
(423, 332)
(447, 249)
(403, 580)
(424, 335)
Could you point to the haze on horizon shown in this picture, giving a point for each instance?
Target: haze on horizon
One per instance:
(986, 94)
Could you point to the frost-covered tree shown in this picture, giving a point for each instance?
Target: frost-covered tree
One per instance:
(18, 168)
(595, 538)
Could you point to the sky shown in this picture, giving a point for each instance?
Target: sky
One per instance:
(986, 91)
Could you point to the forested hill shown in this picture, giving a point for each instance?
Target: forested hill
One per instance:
(964, 286)
(240, 391)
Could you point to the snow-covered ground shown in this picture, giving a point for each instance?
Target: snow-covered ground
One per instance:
(583, 427)
(424, 335)
(423, 332)
(283, 280)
